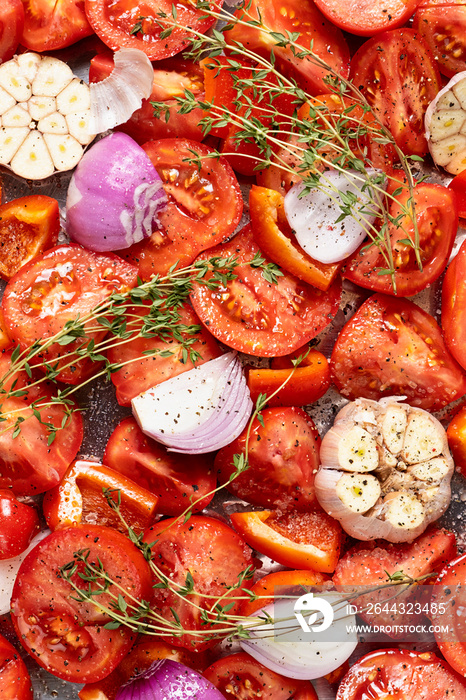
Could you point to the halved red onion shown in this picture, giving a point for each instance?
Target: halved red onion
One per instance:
(114, 196)
(198, 411)
(168, 680)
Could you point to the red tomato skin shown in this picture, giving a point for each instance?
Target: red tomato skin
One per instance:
(442, 23)
(458, 185)
(392, 347)
(18, 525)
(15, 683)
(54, 25)
(366, 17)
(179, 481)
(453, 306)
(11, 28)
(456, 433)
(449, 593)
(401, 674)
(43, 608)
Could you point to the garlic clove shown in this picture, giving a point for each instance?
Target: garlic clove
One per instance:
(358, 492)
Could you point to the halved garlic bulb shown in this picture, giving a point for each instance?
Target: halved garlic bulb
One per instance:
(445, 124)
(44, 116)
(385, 470)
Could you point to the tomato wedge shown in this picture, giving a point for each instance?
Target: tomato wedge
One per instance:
(456, 433)
(453, 307)
(442, 23)
(15, 683)
(54, 24)
(367, 17)
(11, 28)
(448, 598)
(18, 525)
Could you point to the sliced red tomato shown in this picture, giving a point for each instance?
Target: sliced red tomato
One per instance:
(204, 206)
(54, 24)
(399, 78)
(241, 676)
(147, 361)
(453, 307)
(392, 347)
(216, 558)
(28, 226)
(442, 23)
(275, 238)
(63, 283)
(456, 433)
(367, 17)
(310, 540)
(309, 380)
(179, 481)
(15, 683)
(11, 28)
(283, 457)
(5, 340)
(458, 185)
(437, 223)
(145, 24)
(171, 78)
(279, 583)
(28, 464)
(314, 29)
(401, 674)
(448, 601)
(259, 317)
(18, 525)
(65, 636)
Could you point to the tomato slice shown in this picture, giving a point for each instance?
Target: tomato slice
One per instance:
(28, 226)
(11, 28)
(66, 636)
(448, 601)
(63, 283)
(401, 675)
(179, 481)
(28, 464)
(310, 540)
(437, 224)
(458, 185)
(391, 347)
(204, 206)
(314, 29)
(399, 78)
(54, 24)
(453, 307)
(283, 456)
(171, 78)
(259, 317)
(241, 676)
(216, 558)
(139, 24)
(367, 17)
(442, 23)
(18, 525)
(14, 677)
(147, 361)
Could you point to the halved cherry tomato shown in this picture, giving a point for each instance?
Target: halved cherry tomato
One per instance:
(147, 361)
(456, 433)
(442, 23)
(28, 226)
(283, 456)
(81, 497)
(309, 540)
(65, 636)
(448, 602)
(54, 24)
(179, 481)
(399, 78)
(275, 238)
(64, 282)
(204, 206)
(171, 78)
(142, 655)
(11, 27)
(401, 674)
(241, 676)
(392, 347)
(217, 560)
(15, 683)
(367, 17)
(145, 24)
(437, 224)
(259, 317)
(279, 583)
(458, 185)
(453, 307)
(314, 30)
(309, 380)
(28, 464)
(18, 525)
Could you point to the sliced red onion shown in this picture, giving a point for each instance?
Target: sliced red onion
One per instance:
(168, 680)
(9, 569)
(114, 197)
(198, 411)
(314, 216)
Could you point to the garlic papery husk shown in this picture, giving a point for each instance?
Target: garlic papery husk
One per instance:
(445, 125)
(385, 470)
(115, 99)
